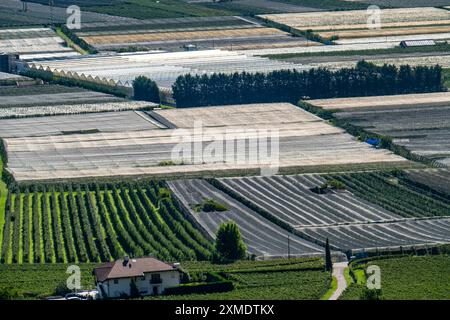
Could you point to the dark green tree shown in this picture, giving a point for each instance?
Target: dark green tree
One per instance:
(328, 261)
(366, 79)
(134, 291)
(370, 294)
(146, 89)
(229, 243)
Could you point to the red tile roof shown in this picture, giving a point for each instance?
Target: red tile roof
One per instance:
(130, 268)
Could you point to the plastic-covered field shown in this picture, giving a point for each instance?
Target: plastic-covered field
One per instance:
(64, 124)
(430, 60)
(354, 24)
(82, 96)
(293, 138)
(421, 124)
(435, 179)
(375, 210)
(290, 199)
(383, 235)
(34, 43)
(263, 238)
(164, 68)
(357, 19)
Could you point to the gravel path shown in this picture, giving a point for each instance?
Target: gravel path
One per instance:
(338, 272)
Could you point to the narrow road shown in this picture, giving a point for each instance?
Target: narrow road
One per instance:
(338, 272)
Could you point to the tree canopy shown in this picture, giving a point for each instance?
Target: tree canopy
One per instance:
(146, 89)
(229, 243)
(366, 79)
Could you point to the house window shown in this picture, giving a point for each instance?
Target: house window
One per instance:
(116, 281)
(155, 278)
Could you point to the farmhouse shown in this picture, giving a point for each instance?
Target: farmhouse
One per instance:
(151, 277)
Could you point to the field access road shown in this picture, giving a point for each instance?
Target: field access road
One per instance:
(338, 272)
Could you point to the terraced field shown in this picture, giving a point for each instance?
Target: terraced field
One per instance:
(417, 122)
(89, 223)
(263, 238)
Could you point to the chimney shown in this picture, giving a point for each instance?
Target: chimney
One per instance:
(125, 260)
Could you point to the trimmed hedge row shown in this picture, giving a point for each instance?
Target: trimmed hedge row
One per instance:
(201, 288)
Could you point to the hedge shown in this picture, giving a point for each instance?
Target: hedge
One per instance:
(201, 288)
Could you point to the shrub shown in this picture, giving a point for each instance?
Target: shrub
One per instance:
(201, 288)
(9, 293)
(370, 294)
(61, 289)
(209, 205)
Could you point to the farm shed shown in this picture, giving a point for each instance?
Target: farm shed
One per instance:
(417, 43)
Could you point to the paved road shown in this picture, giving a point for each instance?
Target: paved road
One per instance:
(338, 272)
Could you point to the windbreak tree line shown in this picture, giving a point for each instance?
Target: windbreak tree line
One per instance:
(366, 79)
(146, 89)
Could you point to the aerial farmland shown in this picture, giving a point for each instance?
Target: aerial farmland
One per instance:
(304, 141)
(416, 122)
(232, 33)
(258, 150)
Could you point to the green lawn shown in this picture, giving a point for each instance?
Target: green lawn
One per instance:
(409, 278)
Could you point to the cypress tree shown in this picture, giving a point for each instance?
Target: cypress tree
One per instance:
(328, 262)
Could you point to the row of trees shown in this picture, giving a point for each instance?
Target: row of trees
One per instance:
(366, 79)
(59, 223)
